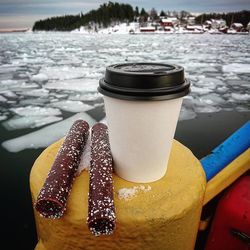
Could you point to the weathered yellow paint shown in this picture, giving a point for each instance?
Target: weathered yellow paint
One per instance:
(227, 176)
(167, 217)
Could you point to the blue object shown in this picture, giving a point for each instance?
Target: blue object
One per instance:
(227, 151)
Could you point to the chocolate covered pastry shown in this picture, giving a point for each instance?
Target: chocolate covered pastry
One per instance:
(52, 199)
(101, 211)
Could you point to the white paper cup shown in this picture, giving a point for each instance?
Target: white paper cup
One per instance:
(141, 130)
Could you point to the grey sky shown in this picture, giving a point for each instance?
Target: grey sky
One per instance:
(23, 13)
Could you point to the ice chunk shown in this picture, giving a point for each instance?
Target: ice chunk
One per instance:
(240, 97)
(3, 117)
(213, 99)
(40, 78)
(30, 122)
(83, 85)
(36, 93)
(72, 106)
(45, 136)
(35, 111)
(236, 68)
(9, 94)
(200, 91)
(2, 99)
(207, 109)
(85, 97)
(66, 72)
(186, 114)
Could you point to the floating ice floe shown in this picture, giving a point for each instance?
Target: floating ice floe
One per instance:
(186, 114)
(207, 109)
(72, 106)
(3, 117)
(85, 97)
(236, 68)
(36, 93)
(40, 78)
(80, 85)
(36, 111)
(201, 91)
(45, 136)
(2, 99)
(67, 72)
(30, 122)
(9, 94)
(240, 97)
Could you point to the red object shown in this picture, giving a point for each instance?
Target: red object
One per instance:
(231, 225)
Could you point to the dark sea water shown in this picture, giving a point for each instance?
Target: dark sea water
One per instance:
(50, 79)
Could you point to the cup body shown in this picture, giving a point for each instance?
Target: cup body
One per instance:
(141, 135)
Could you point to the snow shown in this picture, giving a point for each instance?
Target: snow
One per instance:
(45, 136)
(72, 106)
(86, 156)
(36, 111)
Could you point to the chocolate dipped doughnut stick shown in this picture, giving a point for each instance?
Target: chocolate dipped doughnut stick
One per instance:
(51, 201)
(101, 210)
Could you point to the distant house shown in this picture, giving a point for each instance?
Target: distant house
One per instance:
(191, 20)
(237, 26)
(218, 23)
(147, 29)
(169, 22)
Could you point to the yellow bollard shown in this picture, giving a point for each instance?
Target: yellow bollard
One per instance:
(165, 217)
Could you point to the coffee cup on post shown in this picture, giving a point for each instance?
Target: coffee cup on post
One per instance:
(142, 103)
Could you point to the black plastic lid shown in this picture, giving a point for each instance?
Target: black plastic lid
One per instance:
(144, 81)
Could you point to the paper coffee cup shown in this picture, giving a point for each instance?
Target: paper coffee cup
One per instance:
(142, 103)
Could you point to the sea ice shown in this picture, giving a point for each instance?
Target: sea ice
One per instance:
(9, 94)
(200, 91)
(2, 99)
(36, 111)
(3, 117)
(207, 109)
(72, 106)
(45, 136)
(30, 122)
(40, 78)
(36, 93)
(85, 97)
(236, 68)
(80, 85)
(186, 114)
(240, 97)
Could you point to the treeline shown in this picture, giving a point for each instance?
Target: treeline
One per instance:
(105, 15)
(232, 17)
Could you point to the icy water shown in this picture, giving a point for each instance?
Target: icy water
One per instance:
(49, 79)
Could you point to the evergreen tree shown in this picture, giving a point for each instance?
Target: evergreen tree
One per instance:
(162, 13)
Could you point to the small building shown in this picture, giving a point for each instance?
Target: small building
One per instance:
(191, 20)
(147, 29)
(237, 26)
(169, 22)
(218, 23)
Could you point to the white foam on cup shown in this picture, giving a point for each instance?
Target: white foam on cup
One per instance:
(141, 135)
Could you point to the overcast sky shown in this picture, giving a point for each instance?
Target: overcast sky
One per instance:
(23, 13)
